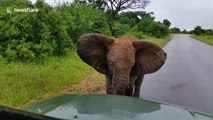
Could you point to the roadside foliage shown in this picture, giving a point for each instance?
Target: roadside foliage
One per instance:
(54, 30)
(37, 48)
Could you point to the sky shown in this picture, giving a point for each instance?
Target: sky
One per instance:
(184, 14)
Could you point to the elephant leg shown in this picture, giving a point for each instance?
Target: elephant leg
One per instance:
(129, 91)
(108, 85)
(130, 88)
(138, 83)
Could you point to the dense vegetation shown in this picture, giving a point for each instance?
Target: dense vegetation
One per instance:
(198, 30)
(37, 49)
(203, 35)
(53, 31)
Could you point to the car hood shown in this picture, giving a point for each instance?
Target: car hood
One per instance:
(111, 107)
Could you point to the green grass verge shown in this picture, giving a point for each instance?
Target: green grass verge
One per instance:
(204, 38)
(160, 42)
(22, 84)
(25, 83)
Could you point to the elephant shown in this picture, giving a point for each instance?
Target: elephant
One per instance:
(123, 61)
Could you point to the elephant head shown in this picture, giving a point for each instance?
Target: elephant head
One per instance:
(123, 60)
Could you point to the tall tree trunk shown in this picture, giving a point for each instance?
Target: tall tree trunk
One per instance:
(111, 17)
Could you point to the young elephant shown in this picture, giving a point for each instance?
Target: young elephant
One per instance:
(124, 61)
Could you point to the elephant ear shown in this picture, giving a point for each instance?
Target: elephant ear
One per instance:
(149, 57)
(92, 49)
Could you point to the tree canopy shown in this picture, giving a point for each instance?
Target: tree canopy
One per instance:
(115, 5)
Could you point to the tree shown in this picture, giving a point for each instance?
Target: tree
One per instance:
(116, 5)
(98, 4)
(166, 22)
(112, 7)
(198, 30)
(132, 18)
(158, 30)
(119, 5)
(175, 30)
(6, 3)
(185, 31)
(83, 19)
(144, 24)
(153, 28)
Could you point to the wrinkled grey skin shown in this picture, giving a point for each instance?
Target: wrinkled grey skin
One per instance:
(124, 61)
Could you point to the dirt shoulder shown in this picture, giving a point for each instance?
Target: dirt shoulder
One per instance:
(93, 83)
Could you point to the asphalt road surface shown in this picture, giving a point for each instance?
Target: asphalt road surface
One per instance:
(186, 79)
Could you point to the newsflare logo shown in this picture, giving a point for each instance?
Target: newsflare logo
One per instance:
(21, 10)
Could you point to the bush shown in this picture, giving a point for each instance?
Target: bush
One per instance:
(135, 33)
(83, 19)
(139, 35)
(158, 30)
(132, 18)
(198, 30)
(153, 28)
(55, 30)
(175, 30)
(120, 29)
(209, 32)
(128, 21)
(144, 24)
(33, 36)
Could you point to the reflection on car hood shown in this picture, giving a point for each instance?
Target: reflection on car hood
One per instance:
(111, 107)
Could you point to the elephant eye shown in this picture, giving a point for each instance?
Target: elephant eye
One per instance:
(110, 66)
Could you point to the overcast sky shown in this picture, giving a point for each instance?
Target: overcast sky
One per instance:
(184, 14)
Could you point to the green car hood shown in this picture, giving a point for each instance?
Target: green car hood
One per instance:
(111, 107)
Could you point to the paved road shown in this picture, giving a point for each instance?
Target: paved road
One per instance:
(186, 79)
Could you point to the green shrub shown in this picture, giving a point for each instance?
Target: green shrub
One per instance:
(33, 36)
(175, 30)
(198, 30)
(132, 18)
(158, 30)
(134, 32)
(82, 19)
(144, 24)
(153, 28)
(128, 21)
(139, 35)
(120, 29)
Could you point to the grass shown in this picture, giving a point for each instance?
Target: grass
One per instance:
(22, 84)
(25, 83)
(160, 42)
(204, 38)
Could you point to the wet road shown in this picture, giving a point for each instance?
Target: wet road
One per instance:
(186, 79)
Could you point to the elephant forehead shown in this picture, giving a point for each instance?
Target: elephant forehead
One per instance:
(123, 45)
(122, 50)
(126, 40)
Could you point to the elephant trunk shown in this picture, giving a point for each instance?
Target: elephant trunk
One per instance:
(120, 83)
